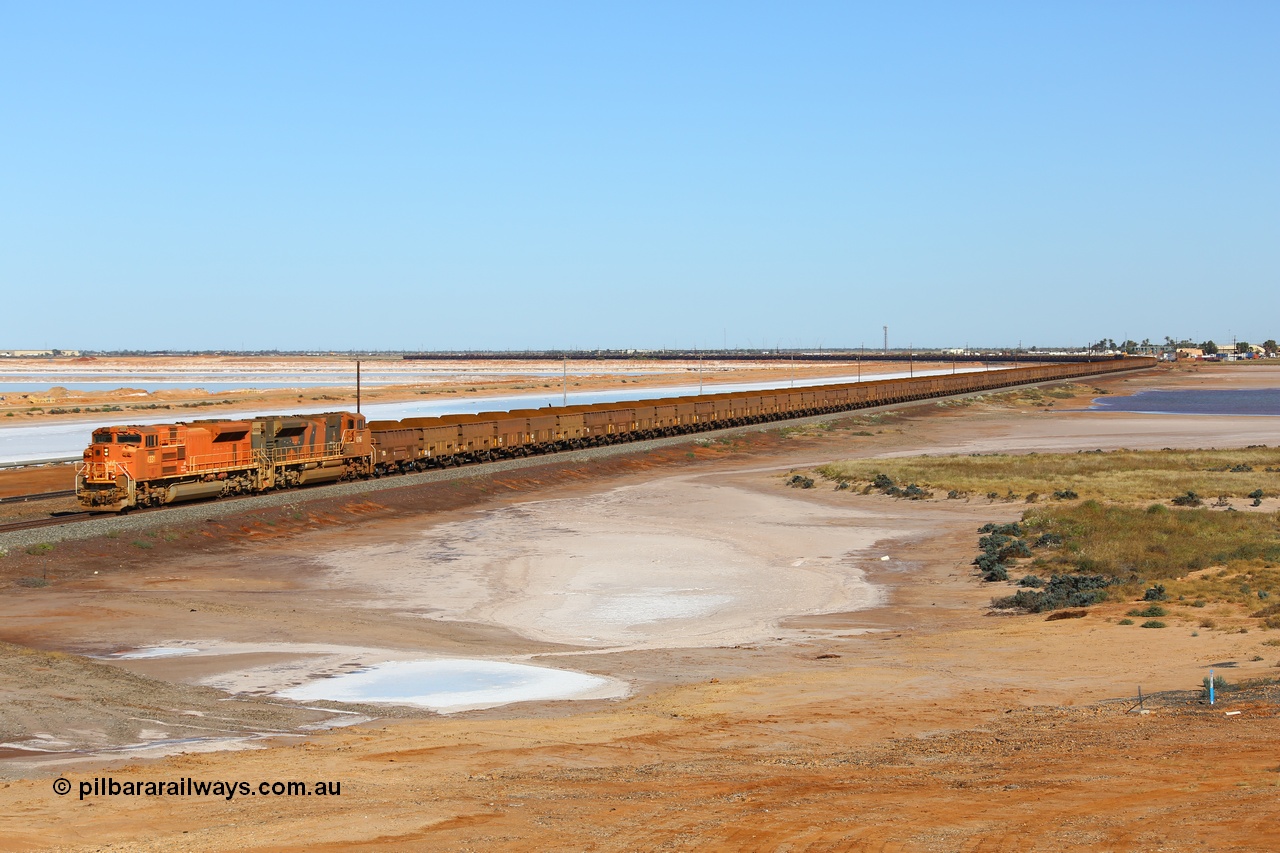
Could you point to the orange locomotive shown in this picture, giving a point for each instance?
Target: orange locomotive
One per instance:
(139, 466)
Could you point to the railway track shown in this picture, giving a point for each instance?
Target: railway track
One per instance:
(42, 496)
(50, 521)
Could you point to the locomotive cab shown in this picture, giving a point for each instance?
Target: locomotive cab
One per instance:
(106, 477)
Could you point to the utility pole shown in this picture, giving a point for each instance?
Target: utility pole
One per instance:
(357, 386)
(564, 399)
(911, 359)
(886, 340)
(861, 351)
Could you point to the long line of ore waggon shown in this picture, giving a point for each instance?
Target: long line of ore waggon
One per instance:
(153, 465)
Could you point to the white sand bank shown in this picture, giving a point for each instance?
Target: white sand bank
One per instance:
(675, 562)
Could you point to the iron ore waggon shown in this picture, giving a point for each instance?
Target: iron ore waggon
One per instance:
(142, 466)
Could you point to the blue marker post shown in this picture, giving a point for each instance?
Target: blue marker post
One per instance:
(1210, 687)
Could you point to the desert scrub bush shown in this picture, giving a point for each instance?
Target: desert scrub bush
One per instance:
(883, 483)
(1125, 622)
(1060, 591)
(995, 572)
(800, 481)
(1153, 610)
(1156, 593)
(1189, 499)
(999, 549)
(1012, 529)
(143, 544)
(1220, 685)
(1016, 548)
(40, 549)
(912, 493)
(1153, 623)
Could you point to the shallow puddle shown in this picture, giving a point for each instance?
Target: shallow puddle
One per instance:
(447, 686)
(153, 652)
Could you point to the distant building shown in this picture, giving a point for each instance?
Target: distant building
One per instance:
(1190, 352)
(1235, 352)
(37, 353)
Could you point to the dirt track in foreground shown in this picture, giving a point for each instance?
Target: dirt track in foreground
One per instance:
(943, 729)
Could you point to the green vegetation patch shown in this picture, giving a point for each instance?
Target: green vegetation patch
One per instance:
(1121, 475)
(1075, 555)
(1035, 396)
(1156, 543)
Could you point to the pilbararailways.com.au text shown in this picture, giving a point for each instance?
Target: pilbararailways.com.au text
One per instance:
(188, 787)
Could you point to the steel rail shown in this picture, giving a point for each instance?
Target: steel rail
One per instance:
(41, 496)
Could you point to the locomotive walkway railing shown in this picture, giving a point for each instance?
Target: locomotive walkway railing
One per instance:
(215, 462)
(305, 453)
(100, 472)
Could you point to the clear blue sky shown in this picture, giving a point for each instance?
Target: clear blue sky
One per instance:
(510, 175)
